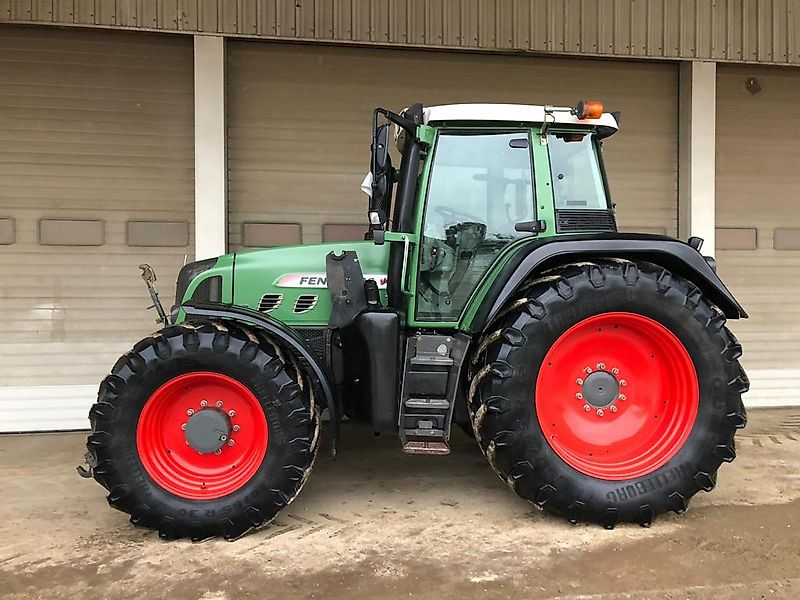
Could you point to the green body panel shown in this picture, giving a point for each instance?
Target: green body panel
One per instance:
(545, 204)
(426, 134)
(221, 268)
(292, 271)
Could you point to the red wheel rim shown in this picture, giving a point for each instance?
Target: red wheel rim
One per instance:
(176, 466)
(655, 393)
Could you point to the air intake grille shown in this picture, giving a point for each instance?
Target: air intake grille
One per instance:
(270, 302)
(585, 220)
(305, 303)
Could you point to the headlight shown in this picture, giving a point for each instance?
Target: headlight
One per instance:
(188, 273)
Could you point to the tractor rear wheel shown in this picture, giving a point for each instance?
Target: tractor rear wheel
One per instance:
(609, 392)
(203, 430)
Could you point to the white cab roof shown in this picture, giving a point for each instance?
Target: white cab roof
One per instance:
(509, 113)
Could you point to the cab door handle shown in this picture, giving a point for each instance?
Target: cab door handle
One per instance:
(539, 226)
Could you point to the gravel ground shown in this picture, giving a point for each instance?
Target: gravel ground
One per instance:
(380, 524)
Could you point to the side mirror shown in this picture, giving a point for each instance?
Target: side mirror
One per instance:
(382, 178)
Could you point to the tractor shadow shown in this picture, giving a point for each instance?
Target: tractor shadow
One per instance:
(371, 476)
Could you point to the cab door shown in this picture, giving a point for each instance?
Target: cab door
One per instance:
(479, 187)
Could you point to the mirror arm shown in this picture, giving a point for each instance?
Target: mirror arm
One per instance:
(407, 124)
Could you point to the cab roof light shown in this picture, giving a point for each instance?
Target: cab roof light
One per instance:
(588, 109)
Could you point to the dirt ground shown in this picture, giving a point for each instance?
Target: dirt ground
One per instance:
(376, 523)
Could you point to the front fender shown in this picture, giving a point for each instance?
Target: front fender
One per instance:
(283, 334)
(538, 255)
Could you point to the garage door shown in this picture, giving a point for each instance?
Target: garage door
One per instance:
(96, 164)
(299, 125)
(758, 215)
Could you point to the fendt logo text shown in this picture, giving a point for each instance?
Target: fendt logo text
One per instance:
(318, 280)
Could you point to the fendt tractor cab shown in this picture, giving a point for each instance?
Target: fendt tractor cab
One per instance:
(492, 291)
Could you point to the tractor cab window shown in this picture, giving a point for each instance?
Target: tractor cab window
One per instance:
(480, 187)
(576, 172)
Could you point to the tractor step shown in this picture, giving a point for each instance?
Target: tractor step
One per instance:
(433, 403)
(430, 384)
(424, 432)
(438, 448)
(432, 360)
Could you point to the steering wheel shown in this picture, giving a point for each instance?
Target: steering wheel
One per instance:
(457, 216)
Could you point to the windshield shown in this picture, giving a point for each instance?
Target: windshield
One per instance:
(480, 187)
(575, 170)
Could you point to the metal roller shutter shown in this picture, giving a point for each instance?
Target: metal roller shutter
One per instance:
(299, 123)
(758, 179)
(95, 127)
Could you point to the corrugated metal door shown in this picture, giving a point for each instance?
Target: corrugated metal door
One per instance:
(299, 123)
(96, 146)
(758, 194)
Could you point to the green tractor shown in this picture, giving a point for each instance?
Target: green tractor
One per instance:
(491, 291)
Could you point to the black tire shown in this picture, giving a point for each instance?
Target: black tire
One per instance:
(277, 384)
(503, 381)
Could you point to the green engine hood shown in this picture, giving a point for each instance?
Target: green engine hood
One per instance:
(289, 282)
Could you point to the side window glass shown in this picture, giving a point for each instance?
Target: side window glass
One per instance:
(575, 169)
(480, 187)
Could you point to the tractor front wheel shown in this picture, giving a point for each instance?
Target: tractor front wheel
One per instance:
(610, 392)
(203, 430)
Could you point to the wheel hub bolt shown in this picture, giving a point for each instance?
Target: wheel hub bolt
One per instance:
(190, 412)
(203, 403)
(587, 408)
(579, 381)
(601, 366)
(623, 383)
(587, 369)
(219, 451)
(223, 437)
(183, 426)
(219, 403)
(600, 412)
(236, 428)
(230, 442)
(612, 408)
(579, 396)
(231, 413)
(622, 397)
(615, 371)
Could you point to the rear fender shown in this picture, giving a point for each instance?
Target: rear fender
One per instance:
(283, 335)
(674, 255)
